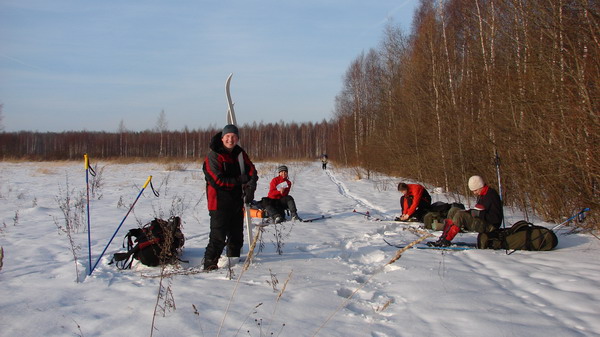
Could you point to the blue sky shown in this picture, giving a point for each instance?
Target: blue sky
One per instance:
(88, 65)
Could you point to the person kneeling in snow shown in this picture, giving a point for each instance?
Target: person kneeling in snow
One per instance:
(415, 201)
(485, 217)
(278, 199)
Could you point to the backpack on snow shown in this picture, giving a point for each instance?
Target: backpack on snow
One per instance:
(522, 235)
(158, 242)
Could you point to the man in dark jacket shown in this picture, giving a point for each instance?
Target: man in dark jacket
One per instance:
(227, 188)
(485, 217)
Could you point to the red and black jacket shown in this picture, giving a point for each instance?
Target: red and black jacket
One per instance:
(414, 198)
(222, 174)
(489, 205)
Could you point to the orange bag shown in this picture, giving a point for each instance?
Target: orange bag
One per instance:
(257, 213)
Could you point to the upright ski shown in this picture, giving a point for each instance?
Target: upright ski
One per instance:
(230, 113)
(232, 120)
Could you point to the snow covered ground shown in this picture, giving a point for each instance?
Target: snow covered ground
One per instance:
(303, 291)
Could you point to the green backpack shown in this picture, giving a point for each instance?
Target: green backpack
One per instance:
(522, 235)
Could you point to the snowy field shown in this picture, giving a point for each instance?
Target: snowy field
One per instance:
(325, 278)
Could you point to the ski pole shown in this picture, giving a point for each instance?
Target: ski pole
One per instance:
(587, 209)
(497, 162)
(87, 184)
(122, 221)
(368, 215)
(365, 214)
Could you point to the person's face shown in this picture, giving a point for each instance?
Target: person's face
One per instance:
(230, 140)
(404, 192)
(283, 174)
(477, 191)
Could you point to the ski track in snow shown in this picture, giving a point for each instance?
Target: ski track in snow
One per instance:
(343, 190)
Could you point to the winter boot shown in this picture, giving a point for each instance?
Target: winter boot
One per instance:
(210, 264)
(450, 231)
(295, 217)
(228, 262)
(441, 242)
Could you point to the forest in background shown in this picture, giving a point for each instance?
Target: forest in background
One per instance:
(472, 79)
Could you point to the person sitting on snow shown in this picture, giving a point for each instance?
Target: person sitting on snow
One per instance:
(278, 199)
(415, 201)
(485, 217)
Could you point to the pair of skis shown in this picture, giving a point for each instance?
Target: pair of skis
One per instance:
(372, 218)
(317, 218)
(322, 217)
(453, 246)
(368, 215)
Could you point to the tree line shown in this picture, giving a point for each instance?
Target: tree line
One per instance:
(269, 141)
(475, 87)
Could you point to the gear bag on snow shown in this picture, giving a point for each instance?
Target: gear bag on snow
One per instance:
(522, 235)
(257, 210)
(158, 242)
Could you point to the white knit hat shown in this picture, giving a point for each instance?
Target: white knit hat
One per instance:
(475, 183)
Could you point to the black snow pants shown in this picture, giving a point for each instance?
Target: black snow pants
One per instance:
(226, 229)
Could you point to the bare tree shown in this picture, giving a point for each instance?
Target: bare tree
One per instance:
(1, 118)
(161, 127)
(122, 139)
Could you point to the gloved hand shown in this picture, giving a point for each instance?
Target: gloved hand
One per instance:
(248, 195)
(243, 179)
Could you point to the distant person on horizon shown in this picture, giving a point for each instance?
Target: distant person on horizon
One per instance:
(324, 161)
(227, 188)
(485, 217)
(278, 199)
(415, 201)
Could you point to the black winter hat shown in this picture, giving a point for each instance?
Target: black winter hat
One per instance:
(230, 128)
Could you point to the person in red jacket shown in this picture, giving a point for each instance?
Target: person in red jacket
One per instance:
(415, 201)
(227, 187)
(485, 217)
(279, 199)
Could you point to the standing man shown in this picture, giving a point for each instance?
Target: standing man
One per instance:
(279, 198)
(226, 190)
(485, 217)
(415, 201)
